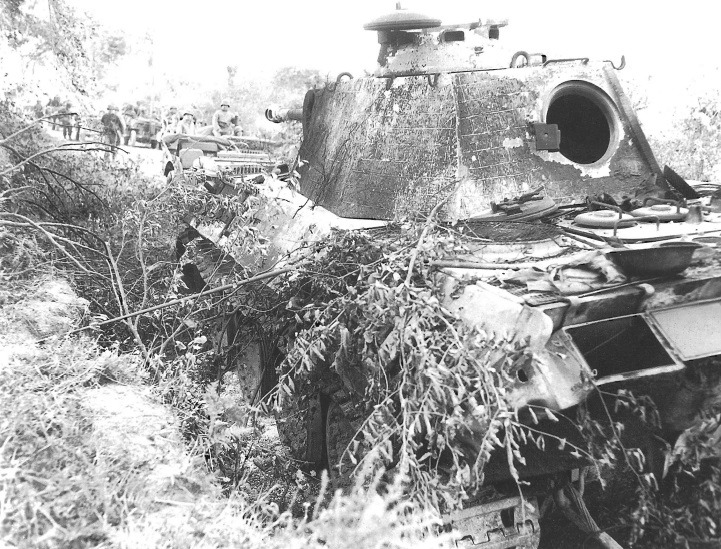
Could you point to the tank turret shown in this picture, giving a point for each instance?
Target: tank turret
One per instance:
(450, 114)
(414, 44)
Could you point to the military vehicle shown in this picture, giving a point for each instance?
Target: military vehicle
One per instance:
(208, 156)
(139, 129)
(540, 160)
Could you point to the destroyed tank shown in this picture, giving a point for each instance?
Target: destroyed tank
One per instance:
(536, 157)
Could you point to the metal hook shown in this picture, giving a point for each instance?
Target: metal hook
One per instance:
(333, 85)
(621, 66)
(432, 80)
(341, 75)
(640, 218)
(616, 209)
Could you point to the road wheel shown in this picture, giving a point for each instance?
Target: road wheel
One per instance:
(339, 434)
(300, 427)
(318, 408)
(153, 144)
(253, 356)
(133, 137)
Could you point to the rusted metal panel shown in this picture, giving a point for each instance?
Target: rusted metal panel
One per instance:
(373, 147)
(495, 156)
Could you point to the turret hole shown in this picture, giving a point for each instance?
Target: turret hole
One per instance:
(587, 121)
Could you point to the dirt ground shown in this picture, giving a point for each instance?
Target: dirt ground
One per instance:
(169, 482)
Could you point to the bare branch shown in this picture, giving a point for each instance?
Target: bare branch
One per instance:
(53, 240)
(75, 147)
(181, 300)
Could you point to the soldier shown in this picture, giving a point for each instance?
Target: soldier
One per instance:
(222, 124)
(76, 124)
(130, 112)
(237, 128)
(113, 129)
(66, 120)
(38, 109)
(170, 122)
(187, 123)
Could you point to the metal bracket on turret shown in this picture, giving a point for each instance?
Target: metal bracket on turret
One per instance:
(548, 137)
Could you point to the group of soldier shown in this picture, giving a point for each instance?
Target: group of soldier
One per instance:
(223, 123)
(61, 114)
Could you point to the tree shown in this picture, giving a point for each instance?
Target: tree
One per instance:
(57, 35)
(695, 151)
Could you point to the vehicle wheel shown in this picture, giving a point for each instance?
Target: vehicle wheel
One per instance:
(133, 138)
(253, 356)
(304, 419)
(153, 144)
(300, 427)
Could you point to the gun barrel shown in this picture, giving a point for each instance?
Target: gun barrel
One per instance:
(278, 115)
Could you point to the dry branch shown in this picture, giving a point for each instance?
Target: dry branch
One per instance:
(75, 147)
(180, 300)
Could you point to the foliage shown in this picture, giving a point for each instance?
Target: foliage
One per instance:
(61, 486)
(694, 151)
(97, 219)
(20, 254)
(295, 81)
(431, 389)
(692, 503)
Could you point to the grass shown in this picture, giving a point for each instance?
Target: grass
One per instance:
(56, 489)
(43, 458)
